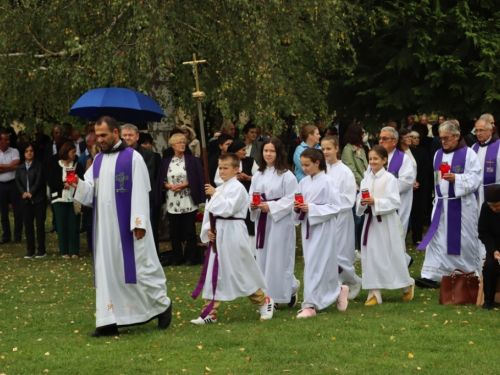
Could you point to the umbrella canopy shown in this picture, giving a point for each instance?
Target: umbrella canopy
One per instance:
(124, 105)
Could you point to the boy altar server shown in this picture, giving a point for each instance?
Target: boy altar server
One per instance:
(232, 271)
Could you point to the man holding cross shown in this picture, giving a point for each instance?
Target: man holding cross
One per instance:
(130, 283)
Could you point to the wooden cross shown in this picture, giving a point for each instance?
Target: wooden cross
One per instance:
(195, 63)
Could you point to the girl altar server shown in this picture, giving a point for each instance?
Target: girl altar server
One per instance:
(275, 185)
(344, 226)
(317, 216)
(382, 246)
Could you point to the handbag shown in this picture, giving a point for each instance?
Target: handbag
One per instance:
(459, 288)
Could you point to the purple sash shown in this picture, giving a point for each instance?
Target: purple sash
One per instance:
(454, 206)
(215, 272)
(396, 163)
(261, 227)
(369, 212)
(123, 198)
(490, 163)
(301, 217)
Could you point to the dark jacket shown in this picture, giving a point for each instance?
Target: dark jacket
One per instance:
(488, 229)
(424, 166)
(213, 164)
(195, 176)
(247, 165)
(36, 178)
(149, 159)
(54, 179)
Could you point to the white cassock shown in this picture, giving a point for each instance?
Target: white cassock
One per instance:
(117, 302)
(238, 275)
(383, 258)
(437, 262)
(321, 277)
(277, 257)
(344, 226)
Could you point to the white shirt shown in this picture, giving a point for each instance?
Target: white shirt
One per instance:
(8, 157)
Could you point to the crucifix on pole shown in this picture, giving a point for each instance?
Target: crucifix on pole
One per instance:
(198, 96)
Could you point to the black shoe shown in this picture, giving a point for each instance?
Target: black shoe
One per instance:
(411, 262)
(51, 230)
(165, 318)
(487, 306)
(41, 255)
(111, 330)
(3, 242)
(29, 255)
(426, 283)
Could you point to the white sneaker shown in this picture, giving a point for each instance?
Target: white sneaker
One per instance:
(358, 255)
(267, 309)
(207, 320)
(354, 289)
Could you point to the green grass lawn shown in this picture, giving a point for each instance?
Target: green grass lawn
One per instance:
(47, 311)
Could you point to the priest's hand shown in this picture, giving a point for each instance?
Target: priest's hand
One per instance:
(139, 233)
(450, 177)
(243, 177)
(416, 185)
(368, 201)
(209, 190)
(304, 207)
(264, 207)
(253, 207)
(74, 184)
(212, 235)
(67, 185)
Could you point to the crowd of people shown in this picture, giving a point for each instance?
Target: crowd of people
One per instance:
(355, 196)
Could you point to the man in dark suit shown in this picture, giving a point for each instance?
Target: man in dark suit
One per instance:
(489, 234)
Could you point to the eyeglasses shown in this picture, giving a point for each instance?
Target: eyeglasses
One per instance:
(385, 139)
(447, 138)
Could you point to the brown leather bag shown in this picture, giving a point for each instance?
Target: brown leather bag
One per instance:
(459, 288)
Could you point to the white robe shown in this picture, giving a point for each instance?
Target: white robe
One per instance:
(344, 225)
(239, 275)
(321, 277)
(277, 259)
(437, 262)
(383, 258)
(117, 302)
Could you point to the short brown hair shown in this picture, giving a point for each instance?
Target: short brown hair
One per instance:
(110, 121)
(232, 158)
(65, 149)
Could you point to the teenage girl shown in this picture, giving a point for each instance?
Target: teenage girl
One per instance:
(344, 226)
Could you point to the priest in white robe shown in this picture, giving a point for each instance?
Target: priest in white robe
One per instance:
(400, 166)
(452, 240)
(130, 282)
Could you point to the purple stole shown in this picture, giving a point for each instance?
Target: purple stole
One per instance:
(396, 163)
(123, 198)
(261, 227)
(454, 205)
(369, 212)
(490, 167)
(215, 271)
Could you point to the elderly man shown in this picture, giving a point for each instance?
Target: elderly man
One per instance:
(487, 149)
(9, 193)
(489, 222)
(452, 241)
(227, 128)
(400, 166)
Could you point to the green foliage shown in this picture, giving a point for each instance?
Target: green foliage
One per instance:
(267, 58)
(422, 56)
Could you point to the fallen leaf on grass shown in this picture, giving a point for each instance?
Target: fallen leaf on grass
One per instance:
(383, 327)
(14, 349)
(334, 338)
(248, 358)
(410, 355)
(200, 347)
(48, 353)
(76, 331)
(207, 368)
(471, 343)
(242, 349)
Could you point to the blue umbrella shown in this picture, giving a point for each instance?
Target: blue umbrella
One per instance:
(124, 105)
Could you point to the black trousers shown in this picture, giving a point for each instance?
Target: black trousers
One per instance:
(183, 228)
(491, 271)
(9, 194)
(36, 212)
(417, 215)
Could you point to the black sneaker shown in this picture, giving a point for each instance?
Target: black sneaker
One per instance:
(293, 299)
(29, 256)
(426, 283)
(487, 306)
(38, 256)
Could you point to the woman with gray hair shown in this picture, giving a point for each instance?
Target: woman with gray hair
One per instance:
(181, 176)
(192, 142)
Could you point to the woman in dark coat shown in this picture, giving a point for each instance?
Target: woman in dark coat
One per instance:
(31, 185)
(181, 176)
